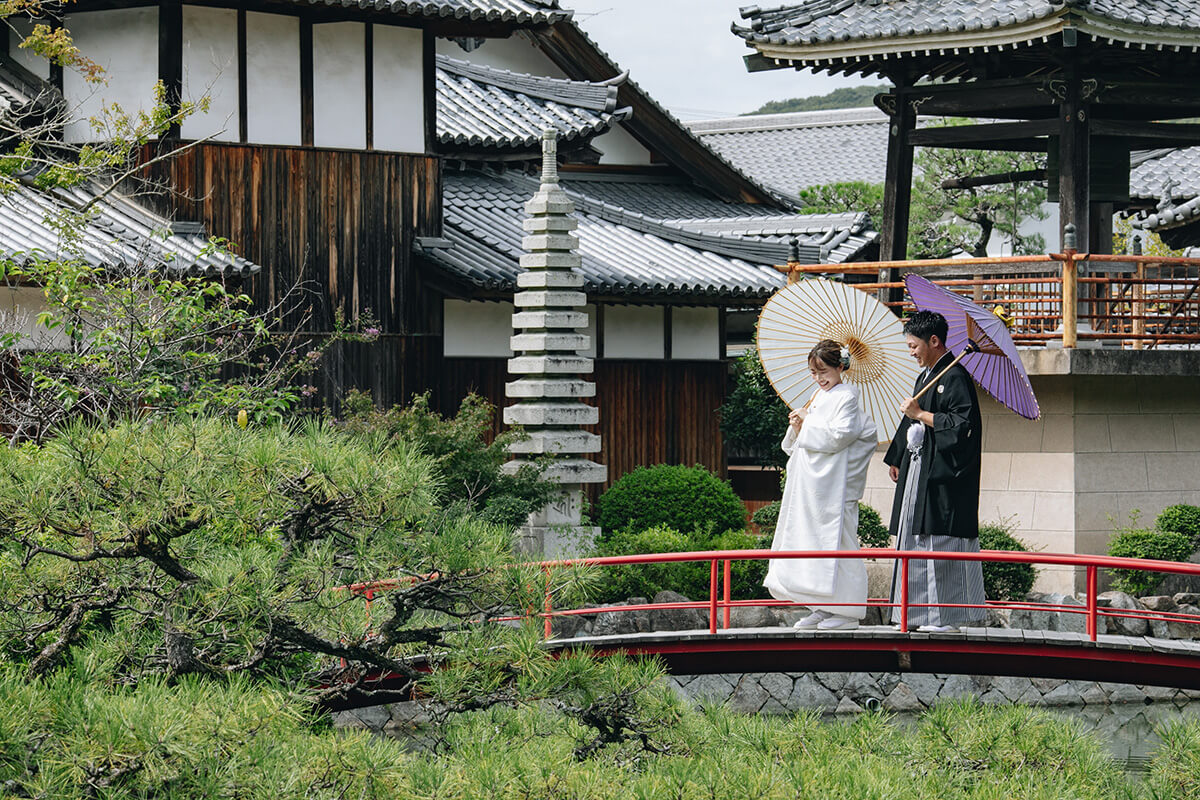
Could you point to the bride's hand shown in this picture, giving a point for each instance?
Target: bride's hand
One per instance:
(796, 419)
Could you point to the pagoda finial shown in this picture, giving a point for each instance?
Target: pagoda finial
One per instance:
(549, 156)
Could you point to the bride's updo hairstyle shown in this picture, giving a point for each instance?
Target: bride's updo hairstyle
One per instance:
(831, 353)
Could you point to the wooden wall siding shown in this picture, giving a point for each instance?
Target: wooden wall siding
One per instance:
(340, 221)
(651, 412)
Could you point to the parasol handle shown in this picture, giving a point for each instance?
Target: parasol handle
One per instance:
(970, 348)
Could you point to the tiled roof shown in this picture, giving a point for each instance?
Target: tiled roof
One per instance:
(790, 152)
(118, 232)
(835, 22)
(658, 196)
(625, 253)
(1172, 177)
(481, 107)
(532, 12)
(1156, 173)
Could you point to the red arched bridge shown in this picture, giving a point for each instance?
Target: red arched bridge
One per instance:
(1089, 655)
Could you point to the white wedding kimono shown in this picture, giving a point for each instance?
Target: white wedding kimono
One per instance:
(826, 476)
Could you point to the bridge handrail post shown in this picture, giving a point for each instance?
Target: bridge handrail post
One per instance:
(903, 593)
(549, 607)
(713, 592)
(1091, 602)
(725, 594)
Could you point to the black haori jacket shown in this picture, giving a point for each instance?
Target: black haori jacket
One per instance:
(948, 492)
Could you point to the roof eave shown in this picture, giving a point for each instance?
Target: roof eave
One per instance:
(826, 54)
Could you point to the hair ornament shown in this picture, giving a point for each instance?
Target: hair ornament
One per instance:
(845, 357)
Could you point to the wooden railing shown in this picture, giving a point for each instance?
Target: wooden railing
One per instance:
(1131, 301)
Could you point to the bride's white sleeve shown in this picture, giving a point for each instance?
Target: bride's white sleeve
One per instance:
(836, 431)
(789, 440)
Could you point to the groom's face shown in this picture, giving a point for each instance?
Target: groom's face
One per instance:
(925, 353)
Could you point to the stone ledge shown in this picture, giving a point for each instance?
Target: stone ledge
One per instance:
(1110, 361)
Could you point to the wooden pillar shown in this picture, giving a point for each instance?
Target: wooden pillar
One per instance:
(1074, 164)
(170, 56)
(897, 188)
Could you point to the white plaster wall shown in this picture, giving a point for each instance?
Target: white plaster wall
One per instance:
(475, 328)
(1028, 476)
(272, 78)
(210, 67)
(19, 309)
(633, 332)
(20, 28)
(124, 42)
(515, 54)
(618, 147)
(399, 104)
(339, 85)
(696, 333)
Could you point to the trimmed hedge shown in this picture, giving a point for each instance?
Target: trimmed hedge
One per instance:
(871, 530)
(1003, 581)
(682, 498)
(1143, 543)
(1183, 519)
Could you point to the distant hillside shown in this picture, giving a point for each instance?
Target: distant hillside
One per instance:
(853, 97)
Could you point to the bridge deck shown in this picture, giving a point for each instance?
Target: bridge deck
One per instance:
(991, 651)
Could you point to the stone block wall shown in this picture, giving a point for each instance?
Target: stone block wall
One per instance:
(1137, 445)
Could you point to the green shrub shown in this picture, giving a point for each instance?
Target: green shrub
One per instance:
(1004, 581)
(689, 578)
(1180, 518)
(766, 518)
(871, 530)
(469, 464)
(753, 418)
(1143, 543)
(682, 498)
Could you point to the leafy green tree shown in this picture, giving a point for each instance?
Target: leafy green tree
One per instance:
(943, 222)
(843, 97)
(753, 417)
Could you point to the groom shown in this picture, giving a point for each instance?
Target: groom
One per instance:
(934, 459)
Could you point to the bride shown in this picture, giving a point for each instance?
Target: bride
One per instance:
(828, 447)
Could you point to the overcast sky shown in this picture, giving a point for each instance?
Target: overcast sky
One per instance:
(683, 53)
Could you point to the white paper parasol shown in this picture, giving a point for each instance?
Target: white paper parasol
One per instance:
(804, 313)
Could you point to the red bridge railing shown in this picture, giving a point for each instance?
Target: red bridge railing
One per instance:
(720, 602)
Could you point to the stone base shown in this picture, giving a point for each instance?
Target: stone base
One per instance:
(556, 541)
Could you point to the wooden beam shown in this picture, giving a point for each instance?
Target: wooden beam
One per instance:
(170, 56)
(1074, 186)
(897, 191)
(993, 180)
(429, 90)
(306, 80)
(984, 136)
(369, 82)
(243, 90)
(1149, 135)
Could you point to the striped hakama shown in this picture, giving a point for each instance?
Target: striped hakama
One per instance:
(935, 581)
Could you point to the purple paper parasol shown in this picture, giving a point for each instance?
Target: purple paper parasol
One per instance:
(992, 358)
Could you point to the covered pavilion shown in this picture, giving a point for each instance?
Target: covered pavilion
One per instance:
(1086, 81)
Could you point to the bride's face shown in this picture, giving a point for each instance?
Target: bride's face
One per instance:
(826, 376)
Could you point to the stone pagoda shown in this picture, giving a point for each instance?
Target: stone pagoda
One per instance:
(548, 360)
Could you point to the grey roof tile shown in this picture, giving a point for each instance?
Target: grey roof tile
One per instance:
(528, 12)
(626, 253)
(482, 107)
(1172, 177)
(118, 232)
(818, 22)
(790, 152)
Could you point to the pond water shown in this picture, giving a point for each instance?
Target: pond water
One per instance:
(1129, 729)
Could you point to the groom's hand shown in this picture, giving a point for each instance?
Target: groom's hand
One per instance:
(910, 408)
(894, 474)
